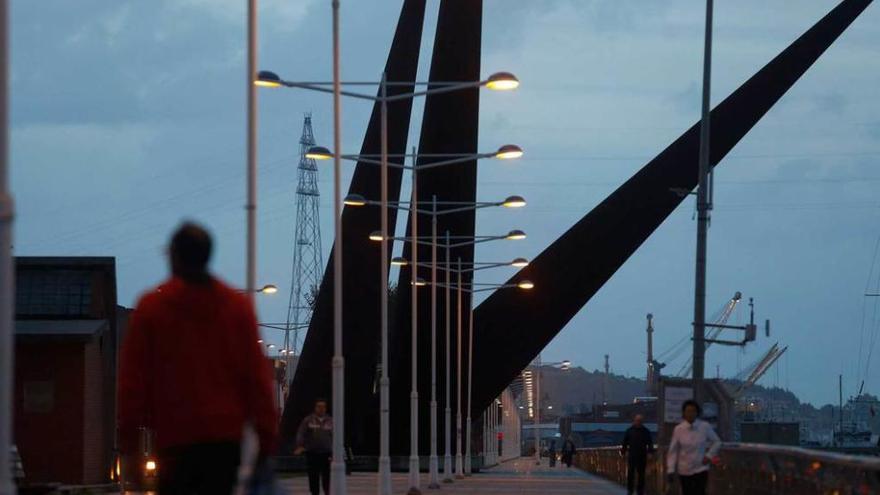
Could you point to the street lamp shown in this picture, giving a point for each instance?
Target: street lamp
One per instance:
(266, 289)
(499, 81)
(449, 207)
(473, 288)
(459, 241)
(356, 200)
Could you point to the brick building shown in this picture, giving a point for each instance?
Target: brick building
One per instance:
(66, 341)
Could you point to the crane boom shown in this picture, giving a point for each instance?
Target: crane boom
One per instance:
(763, 366)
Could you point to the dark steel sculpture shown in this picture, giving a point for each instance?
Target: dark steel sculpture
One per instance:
(449, 125)
(361, 266)
(511, 327)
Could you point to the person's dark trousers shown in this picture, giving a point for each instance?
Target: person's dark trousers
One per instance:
(199, 469)
(318, 466)
(694, 484)
(635, 467)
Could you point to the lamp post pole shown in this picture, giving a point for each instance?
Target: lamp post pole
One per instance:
(337, 463)
(459, 467)
(7, 273)
(414, 392)
(384, 381)
(251, 202)
(538, 411)
(467, 440)
(447, 428)
(433, 468)
(704, 206)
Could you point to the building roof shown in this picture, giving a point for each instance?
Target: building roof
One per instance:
(59, 328)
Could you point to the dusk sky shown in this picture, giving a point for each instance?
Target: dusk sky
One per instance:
(128, 116)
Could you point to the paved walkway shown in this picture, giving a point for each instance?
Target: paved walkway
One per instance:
(517, 477)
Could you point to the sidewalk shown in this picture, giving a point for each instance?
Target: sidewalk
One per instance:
(516, 477)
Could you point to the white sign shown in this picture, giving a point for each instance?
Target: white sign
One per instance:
(673, 398)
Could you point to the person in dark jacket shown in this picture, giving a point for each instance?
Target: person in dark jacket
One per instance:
(568, 450)
(193, 373)
(637, 446)
(315, 438)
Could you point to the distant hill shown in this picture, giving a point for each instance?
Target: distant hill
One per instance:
(577, 390)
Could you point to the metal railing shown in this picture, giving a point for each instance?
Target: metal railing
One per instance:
(754, 469)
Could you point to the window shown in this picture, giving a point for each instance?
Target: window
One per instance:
(53, 293)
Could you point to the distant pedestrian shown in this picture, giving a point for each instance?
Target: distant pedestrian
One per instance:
(636, 447)
(551, 453)
(692, 449)
(193, 372)
(568, 450)
(315, 438)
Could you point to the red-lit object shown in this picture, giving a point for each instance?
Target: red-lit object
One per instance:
(500, 435)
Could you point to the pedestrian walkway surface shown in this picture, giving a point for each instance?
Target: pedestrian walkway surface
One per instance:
(519, 476)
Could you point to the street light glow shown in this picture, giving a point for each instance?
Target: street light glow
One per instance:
(525, 284)
(318, 153)
(502, 81)
(354, 200)
(514, 202)
(516, 235)
(519, 262)
(420, 282)
(376, 236)
(509, 152)
(399, 261)
(268, 289)
(267, 79)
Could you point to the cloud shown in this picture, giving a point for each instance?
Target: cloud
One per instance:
(275, 13)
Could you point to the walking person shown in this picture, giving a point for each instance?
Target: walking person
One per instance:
(551, 454)
(636, 447)
(568, 450)
(692, 449)
(315, 438)
(192, 371)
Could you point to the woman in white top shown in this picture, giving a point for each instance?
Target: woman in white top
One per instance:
(694, 444)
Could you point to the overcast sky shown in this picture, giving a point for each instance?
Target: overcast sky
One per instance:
(128, 116)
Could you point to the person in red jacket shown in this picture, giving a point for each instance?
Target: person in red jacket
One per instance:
(193, 372)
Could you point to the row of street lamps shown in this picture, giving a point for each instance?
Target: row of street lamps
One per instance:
(497, 81)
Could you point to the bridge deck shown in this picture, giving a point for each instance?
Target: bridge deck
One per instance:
(515, 477)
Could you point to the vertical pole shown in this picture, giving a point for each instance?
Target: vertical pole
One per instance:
(467, 438)
(493, 437)
(251, 206)
(447, 428)
(433, 476)
(605, 382)
(840, 410)
(337, 463)
(459, 467)
(7, 274)
(384, 487)
(414, 349)
(703, 208)
(650, 377)
(538, 411)
(485, 448)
